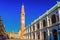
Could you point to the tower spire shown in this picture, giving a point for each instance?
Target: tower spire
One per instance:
(22, 21)
(22, 10)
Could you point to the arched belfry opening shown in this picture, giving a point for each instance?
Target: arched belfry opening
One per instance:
(53, 18)
(54, 34)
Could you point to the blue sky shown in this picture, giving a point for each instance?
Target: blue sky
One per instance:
(10, 12)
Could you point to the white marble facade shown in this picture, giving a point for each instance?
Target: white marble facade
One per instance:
(47, 26)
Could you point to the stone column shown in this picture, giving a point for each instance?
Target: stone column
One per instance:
(35, 27)
(41, 34)
(41, 25)
(35, 35)
(50, 21)
(59, 16)
(35, 32)
(31, 35)
(59, 9)
(26, 36)
(31, 28)
(48, 34)
(48, 24)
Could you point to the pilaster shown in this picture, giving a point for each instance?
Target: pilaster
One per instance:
(31, 35)
(31, 28)
(58, 9)
(59, 13)
(48, 24)
(35, 27)
(35, 32)
(35, 35)
(41, 35)
(50, 21)
(27, 36)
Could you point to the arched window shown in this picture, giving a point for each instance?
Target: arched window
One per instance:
(54, 34)
(44, 35)
(33, 28)
(33, 35)
(38, 26)
(44, 23)
(53, 19)
(38, 35)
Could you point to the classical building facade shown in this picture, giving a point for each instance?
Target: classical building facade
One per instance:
(46, 27)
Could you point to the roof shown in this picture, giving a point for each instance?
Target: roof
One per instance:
(47, 12)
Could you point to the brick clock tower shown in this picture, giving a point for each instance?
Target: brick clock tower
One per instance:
(22, 22)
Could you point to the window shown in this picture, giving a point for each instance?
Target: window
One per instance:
(33, 35)
(33, 28)
(44, 35)
(53, 19)
(38, 35)
(44, 23)
(55, 34)
(38, 26)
